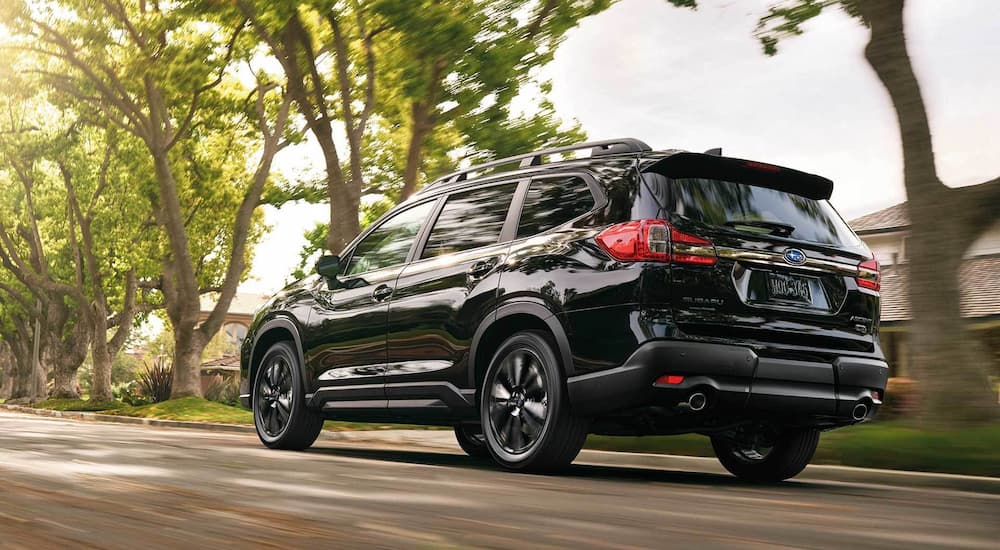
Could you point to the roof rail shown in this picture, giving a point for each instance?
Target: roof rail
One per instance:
(597, 148)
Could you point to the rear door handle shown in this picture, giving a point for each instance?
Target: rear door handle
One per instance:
(481, 268)
(381, 293)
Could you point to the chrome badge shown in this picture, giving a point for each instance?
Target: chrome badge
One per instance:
(795, 256)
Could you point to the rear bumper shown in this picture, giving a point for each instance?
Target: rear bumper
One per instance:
(737, 381)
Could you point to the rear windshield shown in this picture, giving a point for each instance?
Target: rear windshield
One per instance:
(753, 209)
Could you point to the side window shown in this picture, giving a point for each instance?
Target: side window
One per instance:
(553, 201)
(390, 242)
(469, 220)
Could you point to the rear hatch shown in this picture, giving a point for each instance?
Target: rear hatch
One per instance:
(786, 266)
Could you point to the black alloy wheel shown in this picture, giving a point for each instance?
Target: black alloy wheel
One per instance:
(279, 411)
(524, 409)
(274, 396)
(518, 401)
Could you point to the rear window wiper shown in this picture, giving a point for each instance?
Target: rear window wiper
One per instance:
(775, 228)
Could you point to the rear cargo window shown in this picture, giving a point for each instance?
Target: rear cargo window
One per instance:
(553, 201)
(753, 209)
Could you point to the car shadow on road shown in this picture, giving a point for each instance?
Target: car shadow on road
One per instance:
(581, 471)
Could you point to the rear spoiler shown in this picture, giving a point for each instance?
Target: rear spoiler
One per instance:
(699, 165)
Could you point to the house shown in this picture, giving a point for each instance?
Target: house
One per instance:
(222, 359)
(239, 316)
(886, 232)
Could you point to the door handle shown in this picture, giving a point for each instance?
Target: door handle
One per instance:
(481, 268)
(381, 293)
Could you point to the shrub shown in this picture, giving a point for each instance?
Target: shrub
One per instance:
(901, 399)
(156, 380)
(128, 393)
(223, 390)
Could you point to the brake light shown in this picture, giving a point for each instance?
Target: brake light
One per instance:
(762, 167)
(869, 275)
(655, 241)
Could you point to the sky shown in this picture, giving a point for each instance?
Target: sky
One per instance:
(695, 80)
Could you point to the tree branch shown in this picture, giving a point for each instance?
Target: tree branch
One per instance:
(126, 315)
(244, 214)
(366, 43)
(17, 296)
(886, 53)
(185, 124)
(346, 99)
(121, 99)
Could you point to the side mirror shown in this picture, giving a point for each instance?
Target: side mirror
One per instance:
(328, 266)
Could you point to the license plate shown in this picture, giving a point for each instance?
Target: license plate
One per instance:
(788, 288)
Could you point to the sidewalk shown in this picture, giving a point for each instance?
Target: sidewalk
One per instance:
(445, 441)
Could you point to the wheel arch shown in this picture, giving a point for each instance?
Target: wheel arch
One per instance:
(278, 329)
(509, 319)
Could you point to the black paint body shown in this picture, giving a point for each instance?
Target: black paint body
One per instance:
(418, 355)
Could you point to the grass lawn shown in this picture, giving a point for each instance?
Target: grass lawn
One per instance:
(78, 405)
(192, 409)
(195, 409)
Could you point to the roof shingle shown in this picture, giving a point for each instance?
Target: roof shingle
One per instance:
(979, 283)
(894, 217)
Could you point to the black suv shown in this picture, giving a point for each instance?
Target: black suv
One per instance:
(535, 299)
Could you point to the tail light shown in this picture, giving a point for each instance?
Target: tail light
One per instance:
(655, 241)
(869, 275)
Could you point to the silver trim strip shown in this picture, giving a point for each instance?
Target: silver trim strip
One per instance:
(776, 259)
(693, 250)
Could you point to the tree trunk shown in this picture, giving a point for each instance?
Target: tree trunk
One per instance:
(180, 290)
(7, 369)
(7, 385)
(344, 204)
(419, 129)
(949, 362)
(30, 380)
(66, 333)
(100, 389)
(188, 347)
(64, 382)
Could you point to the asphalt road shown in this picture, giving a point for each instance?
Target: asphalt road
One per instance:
(65, 483)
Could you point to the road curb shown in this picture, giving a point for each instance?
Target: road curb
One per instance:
(813, 472)
(115, 419)
(442, 440)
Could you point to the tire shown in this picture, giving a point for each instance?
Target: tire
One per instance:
(524, 407)
(471, 440)
(789, 453)
(279, 410)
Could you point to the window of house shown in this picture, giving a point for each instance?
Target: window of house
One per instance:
(389, 243)
(551, 202)
(235, 332)
(470, 220)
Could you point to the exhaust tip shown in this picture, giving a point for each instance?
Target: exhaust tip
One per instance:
(697, 401)
(860, 411)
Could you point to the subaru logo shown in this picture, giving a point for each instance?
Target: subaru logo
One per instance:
(795, 256)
